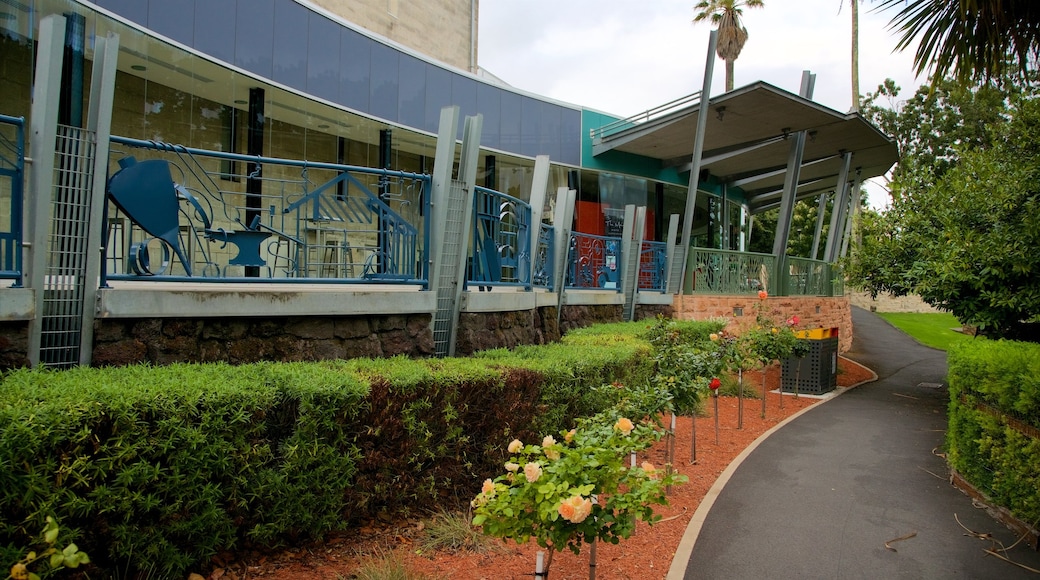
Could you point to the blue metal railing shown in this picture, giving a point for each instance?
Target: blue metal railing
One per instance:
(357, 225)
(12, 178)
(501, 250)
(594, 262)
(653, 266)
(544, 258)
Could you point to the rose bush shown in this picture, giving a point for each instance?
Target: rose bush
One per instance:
(576, 490)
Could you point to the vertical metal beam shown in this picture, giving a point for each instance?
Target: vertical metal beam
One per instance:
(99, 122)
(820, 209)
(443, 165)
(830, 251)
(698, 151)
(539, 185)
(671, 282)
(562, 221)
(44, 126)
(794, 166)
(631, 252)
(853, 212)
(468, 161)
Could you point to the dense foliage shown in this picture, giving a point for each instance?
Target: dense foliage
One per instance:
(963, 224)
(992, 440)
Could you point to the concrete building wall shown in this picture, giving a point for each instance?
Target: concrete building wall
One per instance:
(438, 28)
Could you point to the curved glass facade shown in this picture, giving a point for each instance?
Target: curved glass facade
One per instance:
(294, 46)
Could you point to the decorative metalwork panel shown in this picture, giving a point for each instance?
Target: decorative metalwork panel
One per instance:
(12, 167)
(246, 216)
(501, 240)
(593, 262)
(653, 264)
(544, 263)
(728, 272)
(805, 277)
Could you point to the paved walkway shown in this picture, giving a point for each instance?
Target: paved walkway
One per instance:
(822, 495)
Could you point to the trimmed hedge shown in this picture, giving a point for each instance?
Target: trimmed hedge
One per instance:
(993, 438)
(160, 468)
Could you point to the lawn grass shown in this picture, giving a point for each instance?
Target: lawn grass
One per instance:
(937, 330)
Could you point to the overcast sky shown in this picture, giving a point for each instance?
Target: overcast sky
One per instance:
(626, 56)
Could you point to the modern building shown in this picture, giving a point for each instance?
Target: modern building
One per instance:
(329, 85)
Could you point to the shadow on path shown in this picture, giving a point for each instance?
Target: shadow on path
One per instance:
(823, 495)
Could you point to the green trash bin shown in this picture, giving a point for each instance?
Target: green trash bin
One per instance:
(815, 373)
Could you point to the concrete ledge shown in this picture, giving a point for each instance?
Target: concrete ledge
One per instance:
(17, 304)
(655, 298)
(145, 300)
(593, 298)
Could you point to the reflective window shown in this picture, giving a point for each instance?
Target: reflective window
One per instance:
(133, 10)
(254, 37)
(384, 87)
(570, 136)
(323, 57)
(215, 28)
(549, 130)
(438, 96)
(530, 126)
(290, 43)
(464, 94)
(489, 103)
(510, 127)
(173, 19)
(411, 104)
(355, 69)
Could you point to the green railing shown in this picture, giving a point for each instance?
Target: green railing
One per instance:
(728, 272)
(725, 272)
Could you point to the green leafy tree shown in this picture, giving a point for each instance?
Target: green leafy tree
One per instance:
(725, 16)
(963, 226)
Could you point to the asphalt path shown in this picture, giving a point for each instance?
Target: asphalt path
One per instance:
(856, 487)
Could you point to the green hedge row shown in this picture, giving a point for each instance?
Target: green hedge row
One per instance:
(159, 468)
(993, 438)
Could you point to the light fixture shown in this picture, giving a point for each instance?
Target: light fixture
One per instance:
(240, 101)
(138, 67)
(719, 112)
(323, 126)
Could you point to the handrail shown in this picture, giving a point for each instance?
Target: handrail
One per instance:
(653, 266)
(647, 115)
(594, 261)
(501, 253)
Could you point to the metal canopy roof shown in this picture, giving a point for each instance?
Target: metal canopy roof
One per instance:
(746, 143)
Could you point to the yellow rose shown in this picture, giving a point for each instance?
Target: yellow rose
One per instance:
(488, 488)
(569, 436)
(512, 467)
(548, 441)
(532, 471)
(650, 470)
(575, 509)
(624, 425)
(515, 446)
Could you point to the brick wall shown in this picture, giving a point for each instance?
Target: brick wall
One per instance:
(812, 312)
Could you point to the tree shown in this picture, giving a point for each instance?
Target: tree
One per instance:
(725, 15)
(975, 40)
(965, 218)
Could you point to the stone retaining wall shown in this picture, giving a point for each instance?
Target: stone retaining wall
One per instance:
(886, 303)
(14, 344)
(741, 311)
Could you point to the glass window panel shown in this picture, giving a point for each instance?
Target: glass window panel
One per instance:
(133, 10)
(464, 94)
(511, 124)
(355, 69)
(384, 86)
(290, 44)
(411, 108)
(173, 19)
(254, 37)
(550, 127)
(438, 96)
(323, 57)
(489, 103)
(570, 136)
(215, 28)
(530, 126)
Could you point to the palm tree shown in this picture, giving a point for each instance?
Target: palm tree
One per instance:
(725, 15)
(971, 39)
